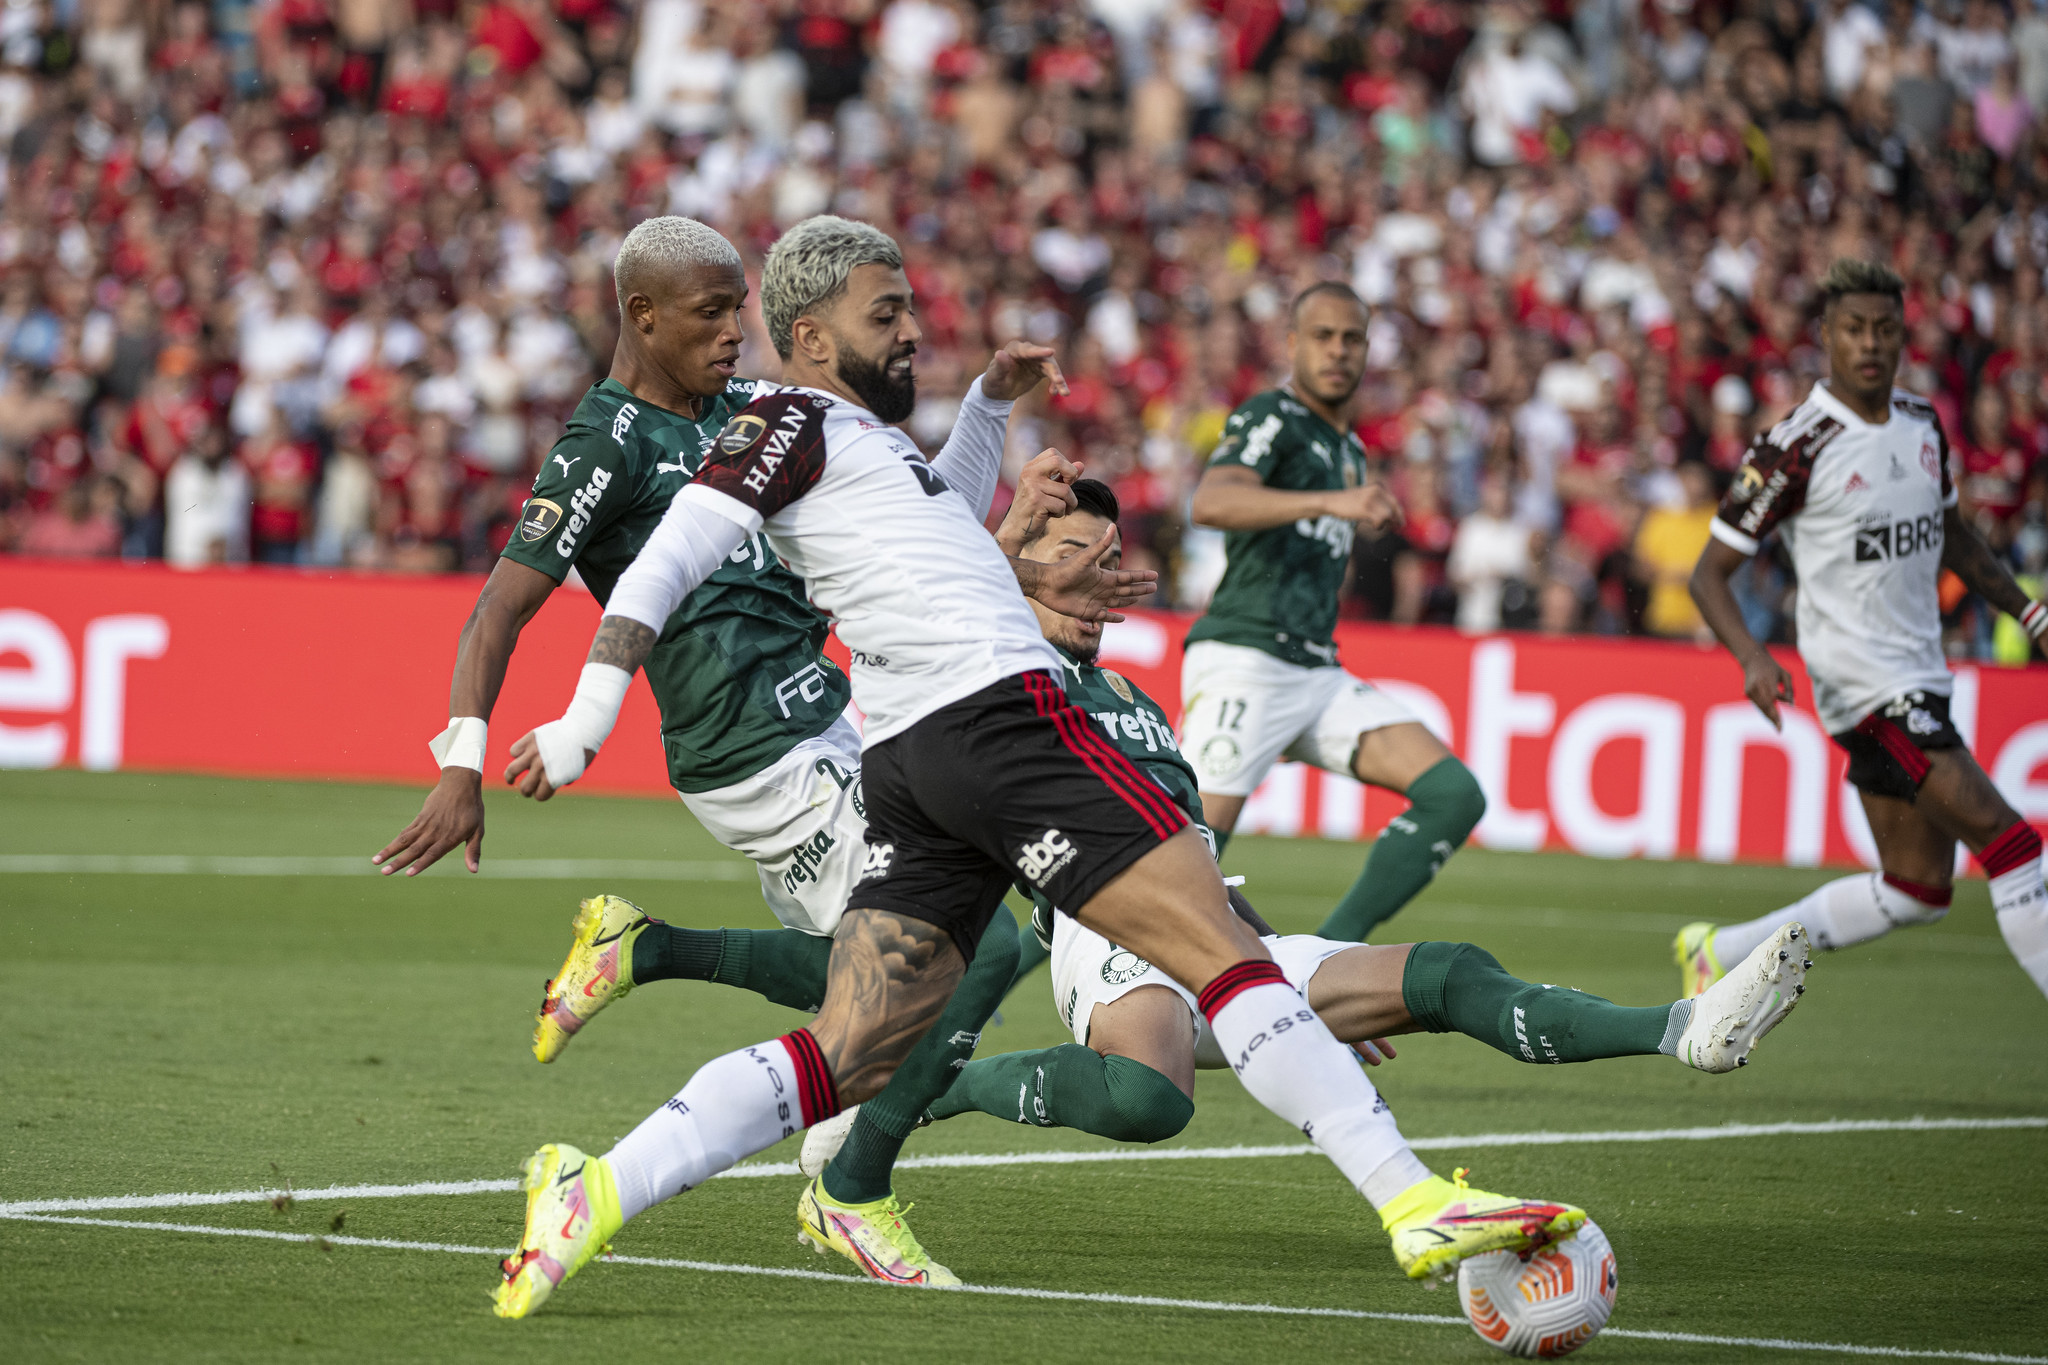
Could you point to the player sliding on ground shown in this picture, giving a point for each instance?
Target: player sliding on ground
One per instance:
(1260, 680)
(750, 710)
(1856, 482)
(1138, 1037)
(976, 769)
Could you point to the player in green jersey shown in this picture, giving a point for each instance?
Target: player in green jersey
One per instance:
(751, 710)
(1129, 1074)
(1260, 680)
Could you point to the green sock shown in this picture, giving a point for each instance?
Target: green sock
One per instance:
(1030, 956)
(1461, 988)
(785, 965)
(1071, 1087)
(1222, 841)
(860, 1172)
(1444, 804)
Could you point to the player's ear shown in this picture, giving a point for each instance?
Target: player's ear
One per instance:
(640, 312)
(811, 341)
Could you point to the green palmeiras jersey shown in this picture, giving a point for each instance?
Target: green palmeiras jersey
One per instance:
(1280, 586)
(737, 672)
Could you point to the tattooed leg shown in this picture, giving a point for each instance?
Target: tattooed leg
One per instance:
(889, 979)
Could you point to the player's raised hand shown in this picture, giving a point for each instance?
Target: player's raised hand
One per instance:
(528, 773)
(1766, 683)
(453, 815)
(1018, 368)
(1078, 586)
(1369, 504)
(1045, 489)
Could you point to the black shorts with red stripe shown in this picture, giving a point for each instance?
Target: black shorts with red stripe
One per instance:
(1009, 785)
(1888, 748)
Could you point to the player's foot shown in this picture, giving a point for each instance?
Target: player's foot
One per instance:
(822, 1142)
(873, 1236)
(598, 970)
(1698, 968)
(1439, 1222)
(1738, 1010)
(572, 1210)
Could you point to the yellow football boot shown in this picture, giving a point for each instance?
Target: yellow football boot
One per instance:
(1698, 967)
(1437, 1223)
(572, 1210)
(598, 970)
(873, 1236)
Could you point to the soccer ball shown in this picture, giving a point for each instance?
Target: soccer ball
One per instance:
(1545, 1304)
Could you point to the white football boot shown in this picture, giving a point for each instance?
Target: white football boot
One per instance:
(822, 1142)
(1733, 1014)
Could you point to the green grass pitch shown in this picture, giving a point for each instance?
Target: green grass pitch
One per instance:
(200, 1032)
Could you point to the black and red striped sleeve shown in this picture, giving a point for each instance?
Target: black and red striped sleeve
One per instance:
(1770, 484)
(770, 454)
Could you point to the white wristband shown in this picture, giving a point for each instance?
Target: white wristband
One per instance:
(462, 744)
(2035, 619)
(600, 692)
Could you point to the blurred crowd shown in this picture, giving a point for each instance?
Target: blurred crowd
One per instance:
(317, 281)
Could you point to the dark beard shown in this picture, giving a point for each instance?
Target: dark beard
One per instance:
(892, 400)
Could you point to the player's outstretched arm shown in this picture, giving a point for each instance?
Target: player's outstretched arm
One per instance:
(1764, 681)
(1045, 489)
(973, 455)
(454, 810)
(1233, 497)
(1964, 552)
(1078, 586)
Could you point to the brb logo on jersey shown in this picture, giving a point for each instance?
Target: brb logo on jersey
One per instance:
(1044, 856)
(1886, 540)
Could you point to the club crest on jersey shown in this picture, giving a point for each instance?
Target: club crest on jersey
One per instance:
(1930, 458)
(741, 432)
(1118, 685)
(1121, 966)
(539, 517)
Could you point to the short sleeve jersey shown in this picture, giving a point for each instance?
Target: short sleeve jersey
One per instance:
(1280, 585)
(1860, 508)
(923, 598)
(737, 671)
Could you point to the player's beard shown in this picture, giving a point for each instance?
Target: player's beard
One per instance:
(1082, 649)
(889, 398)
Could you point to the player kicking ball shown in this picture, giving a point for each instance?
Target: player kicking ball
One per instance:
(976, 769)
(1139, 1037)
(1856, 482)
(1260, 679)
(751, 711)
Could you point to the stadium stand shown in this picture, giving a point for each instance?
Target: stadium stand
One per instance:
(315, 281)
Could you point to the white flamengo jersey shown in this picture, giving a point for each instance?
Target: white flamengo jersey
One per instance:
(1860, 508)
(922, 596)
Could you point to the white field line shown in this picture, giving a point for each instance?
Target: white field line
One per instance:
(958, 1160)
(515, 869)
(1027, 1292)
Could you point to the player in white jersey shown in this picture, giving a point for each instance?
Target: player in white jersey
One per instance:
(1856, 482)
(966, 789)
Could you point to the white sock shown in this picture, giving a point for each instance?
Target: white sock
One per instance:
(2022, 904)
(1292, 1065)
(736, 1105)
(1841, 914)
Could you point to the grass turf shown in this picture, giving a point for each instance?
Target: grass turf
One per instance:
(173, 1033)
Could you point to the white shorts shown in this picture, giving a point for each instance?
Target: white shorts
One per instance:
(1243, 710)
(1088, 970)
(802, 821)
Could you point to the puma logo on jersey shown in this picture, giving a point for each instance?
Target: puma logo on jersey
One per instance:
(1898, 539)
(567, 465)
(623, 423)
(1044, 856)
(676, 468)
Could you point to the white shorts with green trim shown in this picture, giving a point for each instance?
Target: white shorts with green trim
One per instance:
(1088, 970)
(802, 821)
(1243, 710)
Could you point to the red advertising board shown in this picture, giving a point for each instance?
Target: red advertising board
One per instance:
(1608, 747)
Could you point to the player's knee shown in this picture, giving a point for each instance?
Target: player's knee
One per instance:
(1456, 792)
(1148, 1106)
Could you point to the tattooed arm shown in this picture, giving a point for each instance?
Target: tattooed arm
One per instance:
(1964, 551)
